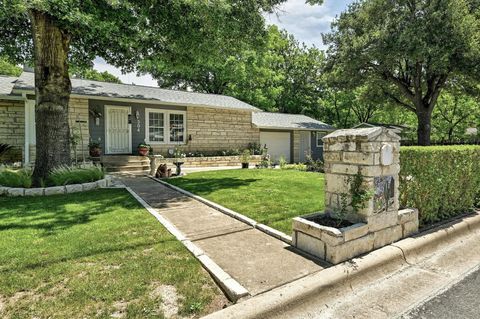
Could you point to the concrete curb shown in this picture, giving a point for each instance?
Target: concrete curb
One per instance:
(232, 288)
(358, 271)
(244, 219)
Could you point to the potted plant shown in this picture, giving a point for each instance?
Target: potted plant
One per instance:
(94, 149)
(143, 149)
(179, 160)
(245, 158)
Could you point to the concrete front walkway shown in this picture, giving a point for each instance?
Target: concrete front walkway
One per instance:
(256, 260)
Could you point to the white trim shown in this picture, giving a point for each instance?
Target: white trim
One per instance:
(316, 138)
(166, 126)
(106, 127)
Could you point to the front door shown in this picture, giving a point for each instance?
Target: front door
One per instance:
(118, 133)
(305, 148)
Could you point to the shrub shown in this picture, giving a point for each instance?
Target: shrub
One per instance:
(282, 161)
(16, 178)
(245, 157)
(298, 167)
(441, 181)
(314, 165)
(66, 175)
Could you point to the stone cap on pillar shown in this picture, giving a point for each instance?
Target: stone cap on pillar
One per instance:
(360, 135)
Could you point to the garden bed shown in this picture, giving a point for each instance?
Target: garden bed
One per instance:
(208, 161)
(90, 176)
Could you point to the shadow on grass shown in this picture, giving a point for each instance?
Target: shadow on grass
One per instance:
(55, 213)
(121, 247)
(210, 185)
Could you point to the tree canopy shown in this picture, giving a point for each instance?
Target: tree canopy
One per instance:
(276, 73)
(92, 74)
(412, 48)
(52, 34)
(8, 68)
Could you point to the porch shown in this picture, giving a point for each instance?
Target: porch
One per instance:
(141, 165)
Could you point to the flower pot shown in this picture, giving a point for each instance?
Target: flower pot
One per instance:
(95, 152)
(244, 165)
(178, 171)
(143, 151)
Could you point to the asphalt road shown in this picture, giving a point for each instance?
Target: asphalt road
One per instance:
(461, 301)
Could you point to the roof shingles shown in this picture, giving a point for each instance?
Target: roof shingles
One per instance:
(6, 84)
(104, 89)
(288, 121)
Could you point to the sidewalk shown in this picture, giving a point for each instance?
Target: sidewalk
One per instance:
(256, 260)
(385, 283)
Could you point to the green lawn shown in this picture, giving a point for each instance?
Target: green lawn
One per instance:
(271, 197)
(94, 255)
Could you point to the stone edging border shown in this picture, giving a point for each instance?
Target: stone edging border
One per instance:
(232, 288)
(55, 190)
(247, 220)
(389, 259)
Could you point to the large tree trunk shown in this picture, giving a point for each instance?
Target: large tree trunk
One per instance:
(52, 94)
(424, 127)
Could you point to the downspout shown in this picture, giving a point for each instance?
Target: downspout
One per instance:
(26, 156)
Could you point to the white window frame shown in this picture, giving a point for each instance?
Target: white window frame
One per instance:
(166, 126)
(317, 134)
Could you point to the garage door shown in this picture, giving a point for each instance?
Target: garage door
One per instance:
(278, 144)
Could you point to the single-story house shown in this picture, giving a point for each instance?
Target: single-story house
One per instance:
(293, 136)
(121, 116)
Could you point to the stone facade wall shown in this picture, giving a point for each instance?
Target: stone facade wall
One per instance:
(216, 129)
(296, 146)
(12, 128)
(78, 111)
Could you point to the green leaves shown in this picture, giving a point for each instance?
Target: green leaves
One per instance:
(441, 181)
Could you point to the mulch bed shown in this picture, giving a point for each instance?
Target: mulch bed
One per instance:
(327, 220)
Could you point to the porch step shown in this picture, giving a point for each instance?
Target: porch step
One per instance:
(123, 159)
(126, 163)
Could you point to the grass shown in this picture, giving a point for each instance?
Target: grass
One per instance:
(91, 255)
(271, 197)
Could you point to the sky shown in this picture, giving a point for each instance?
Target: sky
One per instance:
(304, 21)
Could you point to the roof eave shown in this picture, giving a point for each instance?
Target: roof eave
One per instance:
(144, 101)
(284, 128)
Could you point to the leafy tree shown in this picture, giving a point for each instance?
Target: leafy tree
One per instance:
(52, 34)
(413, 47)
(275, 73)
(454, 114)
(8, 68)
(92, 74)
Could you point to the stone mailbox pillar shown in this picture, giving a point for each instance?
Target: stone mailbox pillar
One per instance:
(368, 158)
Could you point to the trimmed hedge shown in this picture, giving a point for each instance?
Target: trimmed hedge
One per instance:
(441, 181)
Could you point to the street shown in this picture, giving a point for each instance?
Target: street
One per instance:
(459, 301)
